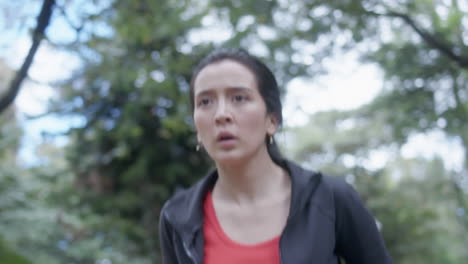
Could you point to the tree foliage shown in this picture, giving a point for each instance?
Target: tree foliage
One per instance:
(137, 144)
(99, 199)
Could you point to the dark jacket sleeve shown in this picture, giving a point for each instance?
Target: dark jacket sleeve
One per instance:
(165, 239)
(358, 239)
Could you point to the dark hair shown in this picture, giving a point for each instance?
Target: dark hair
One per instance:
(266, 83)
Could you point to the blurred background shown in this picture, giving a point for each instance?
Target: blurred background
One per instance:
(96, 129)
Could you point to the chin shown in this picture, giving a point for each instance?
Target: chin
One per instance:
(231, 157)
(231, 160)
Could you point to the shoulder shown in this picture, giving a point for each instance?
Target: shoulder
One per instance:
(350, 210)
(357, 235)
(179, 200)
(333, 195)
(185, 204)
(328, 193)
(331, 185)
(344, 195)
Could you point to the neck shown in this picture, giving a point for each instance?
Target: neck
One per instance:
(254, 180)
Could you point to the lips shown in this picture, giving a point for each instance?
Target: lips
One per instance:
(225, 136)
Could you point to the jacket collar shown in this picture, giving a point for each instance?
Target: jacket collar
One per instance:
(188, 217)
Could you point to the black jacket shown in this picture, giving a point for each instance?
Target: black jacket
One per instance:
(327, 220)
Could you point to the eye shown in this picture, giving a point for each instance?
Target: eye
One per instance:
(204, 102)
(239, 98)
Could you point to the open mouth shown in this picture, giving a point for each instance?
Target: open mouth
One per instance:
(225, 137)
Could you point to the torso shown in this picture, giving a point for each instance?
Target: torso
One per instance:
(219, 247)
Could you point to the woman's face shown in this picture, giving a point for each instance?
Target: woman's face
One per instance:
(230, 114)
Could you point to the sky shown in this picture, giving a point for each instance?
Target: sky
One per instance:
(348, 85)
(49, 66)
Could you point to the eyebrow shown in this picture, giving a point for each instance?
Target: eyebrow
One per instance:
(230, 89)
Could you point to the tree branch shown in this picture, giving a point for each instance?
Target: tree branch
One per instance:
(42, 22)
(68, 20)
(442, 46)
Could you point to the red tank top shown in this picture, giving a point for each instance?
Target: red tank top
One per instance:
(219, 248)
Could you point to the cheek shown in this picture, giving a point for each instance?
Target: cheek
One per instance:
(255, 122)
(254, 117)
(201, 123)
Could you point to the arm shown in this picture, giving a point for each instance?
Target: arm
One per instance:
(358, 239)
(165, 239)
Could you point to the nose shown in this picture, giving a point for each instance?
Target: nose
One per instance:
(223, 113)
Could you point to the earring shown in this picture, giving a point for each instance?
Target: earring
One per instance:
(199, 146)
(271, 140)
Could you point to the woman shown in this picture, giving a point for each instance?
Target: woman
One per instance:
(257, 207)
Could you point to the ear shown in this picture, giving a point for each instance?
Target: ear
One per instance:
(272, 124)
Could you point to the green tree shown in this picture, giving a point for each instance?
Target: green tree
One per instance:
(412, 200)
(137, 144)
(7, 256)
(9, 143)
(421, 46)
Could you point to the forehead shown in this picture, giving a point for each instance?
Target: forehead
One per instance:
(224, 74)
